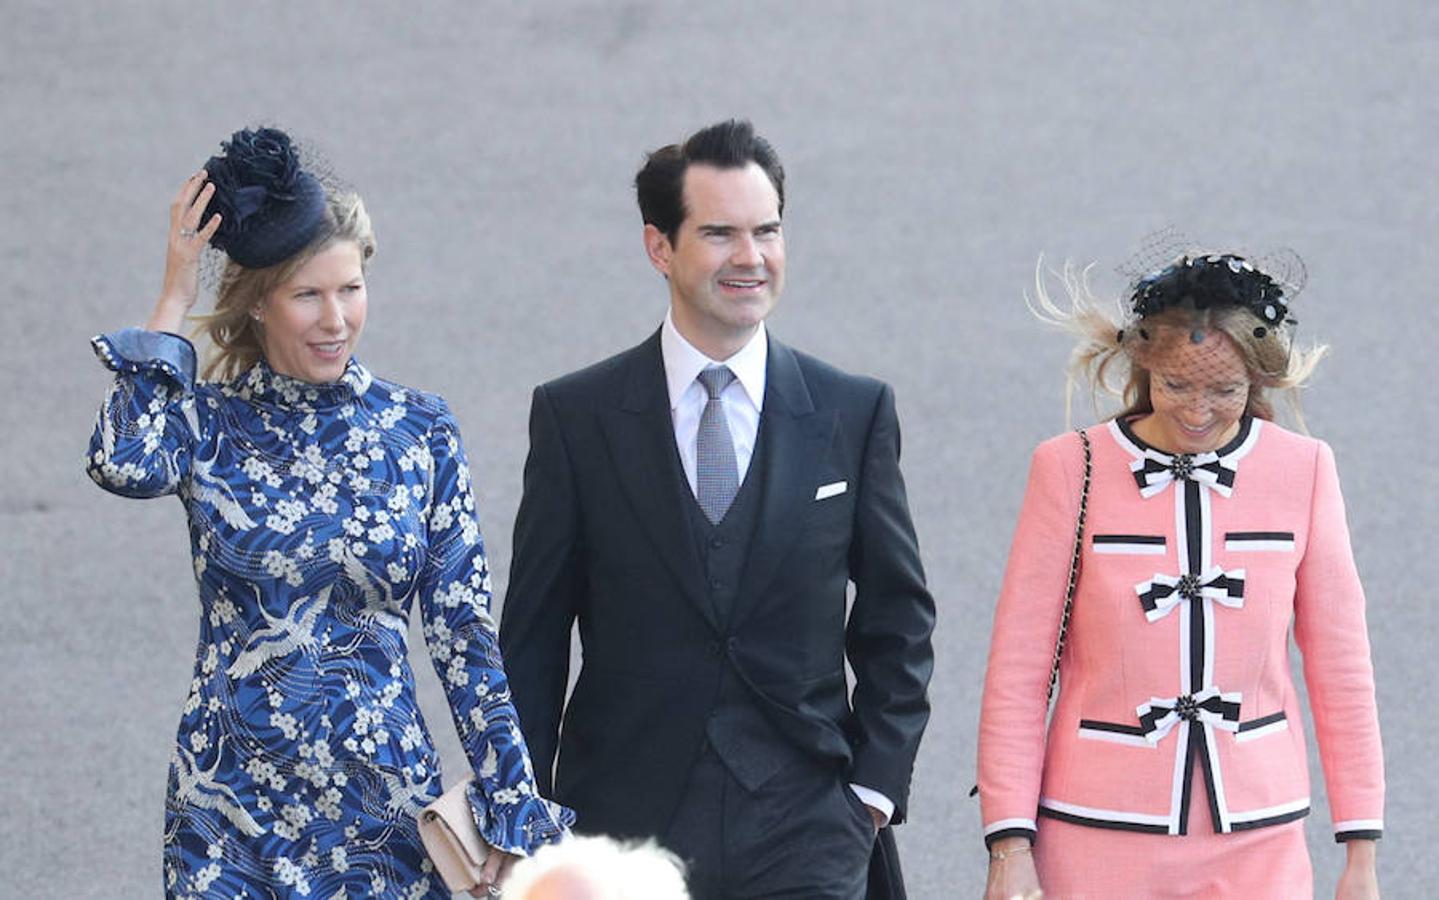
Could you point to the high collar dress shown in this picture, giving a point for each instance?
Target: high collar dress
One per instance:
(318, 515)
(1177, 720)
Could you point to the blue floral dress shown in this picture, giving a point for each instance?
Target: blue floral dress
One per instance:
(317, 514)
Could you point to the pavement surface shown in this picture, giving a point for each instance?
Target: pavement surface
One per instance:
(934, 150)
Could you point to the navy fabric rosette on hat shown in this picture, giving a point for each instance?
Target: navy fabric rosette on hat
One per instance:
(270, 207)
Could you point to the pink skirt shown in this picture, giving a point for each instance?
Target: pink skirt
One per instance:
(1080, 862)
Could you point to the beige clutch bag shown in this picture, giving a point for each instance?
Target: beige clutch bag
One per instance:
(447, 829)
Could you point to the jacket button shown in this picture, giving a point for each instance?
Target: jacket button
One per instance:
(716, 543)
(717, 585)
(731, 644)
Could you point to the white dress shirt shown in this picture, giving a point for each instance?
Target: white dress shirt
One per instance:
(743, 401)
(743, 398)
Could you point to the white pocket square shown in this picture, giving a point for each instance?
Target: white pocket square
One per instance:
(833, 489)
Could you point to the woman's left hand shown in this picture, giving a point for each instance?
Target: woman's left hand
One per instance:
(1357, 884)
(496, 870)
(1360, 880)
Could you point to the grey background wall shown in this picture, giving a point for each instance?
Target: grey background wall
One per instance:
(935, 149)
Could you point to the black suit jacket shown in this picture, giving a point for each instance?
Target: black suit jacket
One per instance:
(602, 538)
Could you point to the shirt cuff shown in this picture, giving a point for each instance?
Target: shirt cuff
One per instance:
(1007, 828)
(135, 349)
(1358, 830)
(875, 800)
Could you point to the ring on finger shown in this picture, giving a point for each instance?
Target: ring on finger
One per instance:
(188, 232)
(492, 890)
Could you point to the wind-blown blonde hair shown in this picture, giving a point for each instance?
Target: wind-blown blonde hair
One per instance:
(1113, 346)
(233, 334)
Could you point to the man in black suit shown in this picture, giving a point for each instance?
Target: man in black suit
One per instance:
(700, 505)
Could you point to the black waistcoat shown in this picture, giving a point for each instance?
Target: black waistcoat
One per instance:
(724, 547)
(737, 729)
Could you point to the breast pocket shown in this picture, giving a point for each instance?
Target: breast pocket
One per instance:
(1258, 728)
(1259, 541)
(1129, 544)
(830, 515)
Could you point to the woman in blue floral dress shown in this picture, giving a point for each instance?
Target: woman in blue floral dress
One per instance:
(323, 502)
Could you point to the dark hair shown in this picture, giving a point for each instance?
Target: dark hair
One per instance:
(659, 186)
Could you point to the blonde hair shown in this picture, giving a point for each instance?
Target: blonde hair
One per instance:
(1112, 346)
(233, 335)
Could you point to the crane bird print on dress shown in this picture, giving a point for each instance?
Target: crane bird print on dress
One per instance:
(197, 787)
(296, 631)
(405, 796)
(205, 488)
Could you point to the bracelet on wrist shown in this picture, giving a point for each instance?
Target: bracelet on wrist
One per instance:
(1002, 855)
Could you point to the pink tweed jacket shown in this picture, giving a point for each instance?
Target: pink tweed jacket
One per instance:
(1193, 569)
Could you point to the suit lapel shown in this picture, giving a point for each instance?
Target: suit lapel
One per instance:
(641, 440)
(796, 437)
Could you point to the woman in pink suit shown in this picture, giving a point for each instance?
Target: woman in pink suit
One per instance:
(1174, 762)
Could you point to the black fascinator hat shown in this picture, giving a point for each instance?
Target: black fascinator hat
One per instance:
(270, 207)
(1213, 280)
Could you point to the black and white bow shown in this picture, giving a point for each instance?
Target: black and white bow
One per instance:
(1154, 471)
(1210, 706)
(1162, 593)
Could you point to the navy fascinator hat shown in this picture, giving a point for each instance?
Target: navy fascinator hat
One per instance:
(270, 207)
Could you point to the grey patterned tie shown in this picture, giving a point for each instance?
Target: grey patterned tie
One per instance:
(716, 472)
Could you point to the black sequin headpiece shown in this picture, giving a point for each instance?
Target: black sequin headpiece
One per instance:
(1202, 282)
(270, 207)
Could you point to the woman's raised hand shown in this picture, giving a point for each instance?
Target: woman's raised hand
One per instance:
(182, 256)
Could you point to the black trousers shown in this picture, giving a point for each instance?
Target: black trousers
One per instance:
(802, 834)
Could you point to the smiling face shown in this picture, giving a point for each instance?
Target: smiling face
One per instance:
(726, 264)
(310, 324)
(1199, 392)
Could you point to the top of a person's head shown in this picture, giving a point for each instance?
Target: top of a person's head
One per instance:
(1178, 302)
(1212, 281)
(1222, 291)
(276, 214)
(732, 144)
(598, 868)
(270, 206)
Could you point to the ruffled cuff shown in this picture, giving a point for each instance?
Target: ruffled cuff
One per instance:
(135, 350)
(519, 828)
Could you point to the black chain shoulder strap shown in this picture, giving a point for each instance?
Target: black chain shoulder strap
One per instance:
(1073, 573)
(1073, 564)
